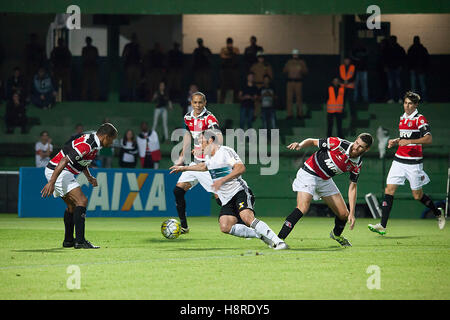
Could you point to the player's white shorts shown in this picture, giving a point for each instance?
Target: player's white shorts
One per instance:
(315, 186)
(194, 177)
(399, 172)
(65, 183)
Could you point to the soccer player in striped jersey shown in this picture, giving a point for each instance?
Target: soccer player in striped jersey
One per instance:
(314, 181)
(408, 162)
(237, 214)
(196, 121)
(74, 158)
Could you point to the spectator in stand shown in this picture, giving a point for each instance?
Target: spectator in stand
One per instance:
(79, 130)
(44, 149)
(347, 80)
(154, 69)
(250, 53)
(296, 70)
(268, 98)
(34, 59)
(418, 62)
(89, 56)
(15, 115)
(16, 83)
(360, 57)
(229, 70)
(202, 66)
(148, 146)
(335, 107)
(163, 102)
(43, 92)
(394, 61)
(260, 68)
(61, 59)
(128, 150)
(248, 96)
(131, 56)
(175, 63)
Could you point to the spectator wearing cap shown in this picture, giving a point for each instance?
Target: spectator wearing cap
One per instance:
(229, 70)
(202, 66)
(260, 69)
(296, 69)
(250, 53)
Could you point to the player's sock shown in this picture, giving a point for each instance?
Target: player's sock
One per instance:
(289, 223)
(79, 217)
(68, 226)
(386, 209)
(426, 200)
(339, 226)
(181, 205)
(240, 230)
(262, 229)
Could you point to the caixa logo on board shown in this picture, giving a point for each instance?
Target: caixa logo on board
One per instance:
(130, 191)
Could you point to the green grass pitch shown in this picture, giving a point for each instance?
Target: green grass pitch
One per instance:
(136, 262)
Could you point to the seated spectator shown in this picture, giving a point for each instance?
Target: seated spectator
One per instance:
(128, 150)
(15, 115)
(161, 97)
(267, 94)
(44, 149)
(247, 96)
(43, 92)
(16, 83)
(148, 146)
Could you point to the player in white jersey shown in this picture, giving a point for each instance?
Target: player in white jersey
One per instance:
(226, 169)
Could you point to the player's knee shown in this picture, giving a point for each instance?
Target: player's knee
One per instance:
(303, 207)
(225, 227)
(81, 201)
(417, 195)
(389, 190)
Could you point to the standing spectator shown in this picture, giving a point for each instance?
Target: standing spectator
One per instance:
(44, 149)
(61, 60)
(131, 56)
(43, 92)
(347, 80)
(162, 99)
(128, 150)
(16, 83)
(229, 70)
(175, 63)
(202, 66)
(148, 146)
(395, 58)
(248, 96)
(267, 96)
(154, 69)
(296, 69)
(15, 115)
(260, 68)
(89, 56)
(360, 57)
(34, 59)
(335, 107)
(250, 53)
(418, 61)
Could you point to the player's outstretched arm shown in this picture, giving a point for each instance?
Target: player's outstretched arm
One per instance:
(198, 167)
(50, 186)
(304, 144)
(427, 139)
(352, 192)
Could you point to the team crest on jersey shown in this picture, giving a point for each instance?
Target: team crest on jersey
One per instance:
(409, 124)
(241, 204)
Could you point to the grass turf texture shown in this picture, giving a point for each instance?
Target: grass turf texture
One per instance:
(136, 262)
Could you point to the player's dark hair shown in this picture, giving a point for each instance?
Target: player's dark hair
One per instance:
(414, 97)
(198, 93)
(107, 129)
(366, 138)
(43, 132)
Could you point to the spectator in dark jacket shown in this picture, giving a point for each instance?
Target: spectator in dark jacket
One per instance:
(418, 61)
(61, 59)
(16, 83)
(175, 64)
(250, 53)
(202, 66)
(15, 114)
(43, 92)
(394, 61)
(359, 56)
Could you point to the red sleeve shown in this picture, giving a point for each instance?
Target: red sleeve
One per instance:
(333, 142)
(82, 148)
(211, 121)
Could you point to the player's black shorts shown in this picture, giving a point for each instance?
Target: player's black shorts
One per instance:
(242, 200)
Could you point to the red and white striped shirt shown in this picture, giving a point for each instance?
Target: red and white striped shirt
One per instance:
(414, 126)
(81, 152)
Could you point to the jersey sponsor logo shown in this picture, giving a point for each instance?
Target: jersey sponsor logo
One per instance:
(330, 164)
(405, 134)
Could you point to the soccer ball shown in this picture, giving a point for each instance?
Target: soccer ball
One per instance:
(171, 229)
